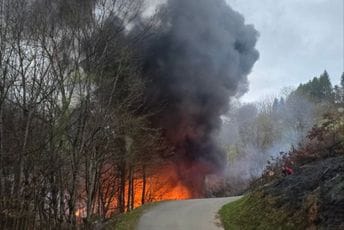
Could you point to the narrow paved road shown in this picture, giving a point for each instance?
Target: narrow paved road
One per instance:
(197, 214)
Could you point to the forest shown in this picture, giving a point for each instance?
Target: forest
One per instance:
(75, 132)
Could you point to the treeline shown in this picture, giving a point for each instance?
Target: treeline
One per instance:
(258, 133)
(320, 90)
(75, 134)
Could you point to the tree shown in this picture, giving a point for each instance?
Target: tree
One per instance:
(317, 90)
(338, 94)
(340, 90)
(325, 87)
(71, 98)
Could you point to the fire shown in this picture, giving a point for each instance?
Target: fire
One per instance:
(179, 192)
(80, 212)
(164, 184)
(173, 183)
(159, 184)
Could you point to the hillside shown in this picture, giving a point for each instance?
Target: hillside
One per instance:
(311, 197)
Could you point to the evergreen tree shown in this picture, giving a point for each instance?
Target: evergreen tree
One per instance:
(325, 87)
(338, 94)
(318, 89)
(341, 90)
(275, 105)
(282, 102)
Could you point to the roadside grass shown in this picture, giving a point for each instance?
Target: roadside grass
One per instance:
(255, 212)
(128, 221)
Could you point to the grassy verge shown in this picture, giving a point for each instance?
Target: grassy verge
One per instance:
(254, 212)
(128, 221)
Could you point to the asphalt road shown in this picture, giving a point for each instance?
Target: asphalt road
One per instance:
(198, 214)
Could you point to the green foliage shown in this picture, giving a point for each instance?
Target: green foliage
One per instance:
(324, 140)
(256, 212)
(258, 131)
(310, 198)
(317, 90)
(325, 86)
(232, 152)
(339, 92)
(129, 220)
(266, 131)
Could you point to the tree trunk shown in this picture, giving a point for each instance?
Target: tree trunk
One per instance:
(122, 187)
(132, 203)
(129, 190)
(144, 181)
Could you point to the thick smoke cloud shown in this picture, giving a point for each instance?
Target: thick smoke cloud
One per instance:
(199, 57)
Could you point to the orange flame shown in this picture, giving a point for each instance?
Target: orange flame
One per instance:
(163, 185)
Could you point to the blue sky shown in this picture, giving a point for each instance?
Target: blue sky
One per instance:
(298, 40)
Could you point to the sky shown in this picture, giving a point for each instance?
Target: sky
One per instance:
(298, 40)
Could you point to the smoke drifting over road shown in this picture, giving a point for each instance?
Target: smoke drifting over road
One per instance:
(199, 57)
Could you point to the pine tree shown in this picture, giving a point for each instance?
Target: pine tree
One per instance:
(275, 105)
(341, 89)
(325, 87)
(318, 89)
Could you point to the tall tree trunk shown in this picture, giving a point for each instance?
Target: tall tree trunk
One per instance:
(122, 172)
(2, 174)
(129, 190)
(132, 203)
(144, 181)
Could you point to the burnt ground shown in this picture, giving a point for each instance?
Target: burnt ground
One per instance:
(315, 191)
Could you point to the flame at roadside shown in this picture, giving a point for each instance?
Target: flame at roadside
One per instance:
(162, 184)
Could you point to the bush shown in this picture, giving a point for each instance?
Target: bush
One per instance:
(326, 139)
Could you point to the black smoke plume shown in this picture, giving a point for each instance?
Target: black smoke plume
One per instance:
(197, 60)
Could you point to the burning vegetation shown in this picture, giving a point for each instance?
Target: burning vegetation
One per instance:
(103, 108)
(257, 134)
(310, 195)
